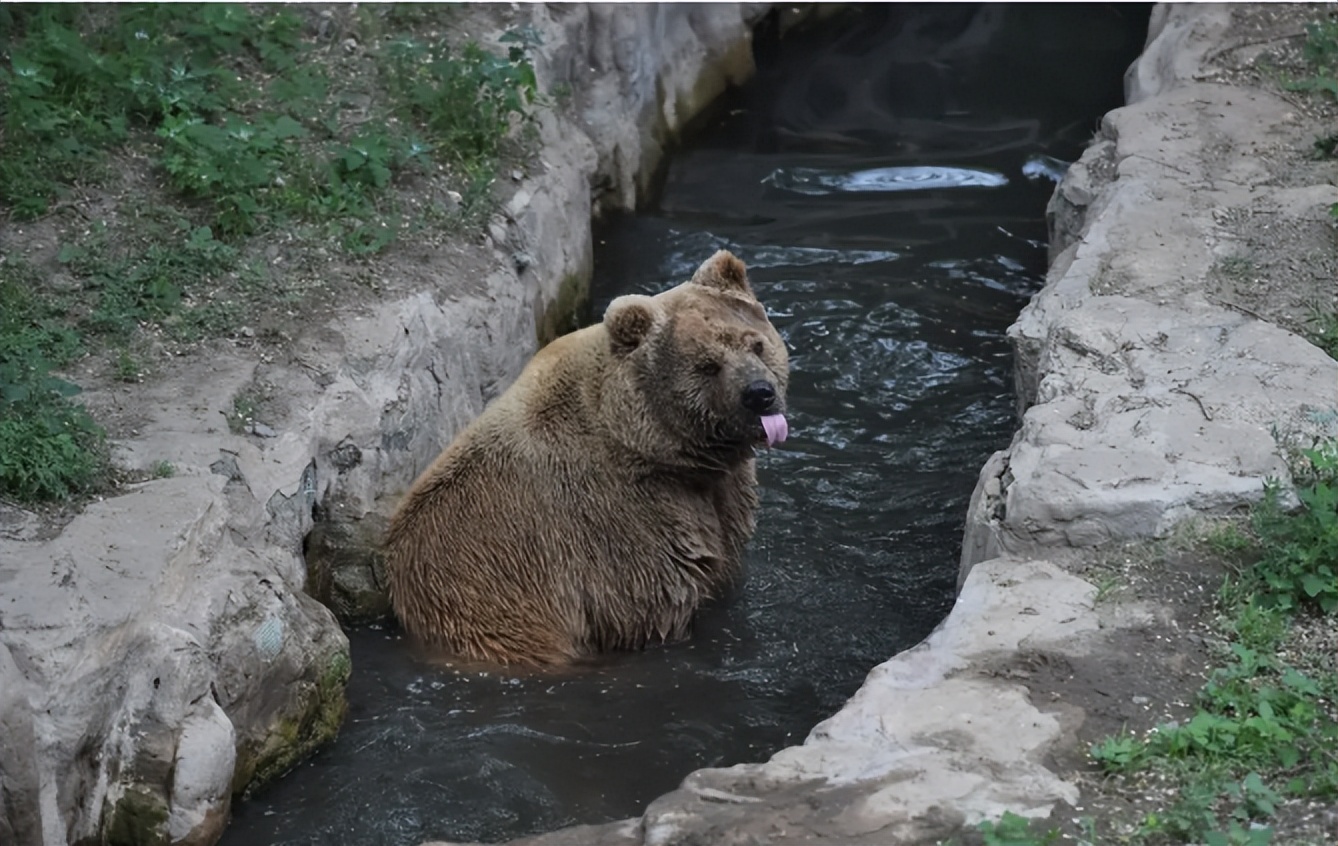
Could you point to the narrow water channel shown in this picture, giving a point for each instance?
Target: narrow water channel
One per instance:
(885, 179)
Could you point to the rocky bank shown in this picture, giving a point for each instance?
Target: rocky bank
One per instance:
(1154, 385)
(162, 652)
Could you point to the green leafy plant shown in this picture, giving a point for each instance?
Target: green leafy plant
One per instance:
(1015, 830)
(1320, 53)
(236, 163)
(1324, 333)
(465, 103)
(1119, 752)
(49, 447)
(1300, 551)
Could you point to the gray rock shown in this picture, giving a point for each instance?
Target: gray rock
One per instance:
(20, 819)
(1144, 400)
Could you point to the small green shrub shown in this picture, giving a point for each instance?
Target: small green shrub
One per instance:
(1119, 753)
(1320, 53)
(1015, 830)
(1299, 564)
(1324, 333)
(49, 447)
(465, 104)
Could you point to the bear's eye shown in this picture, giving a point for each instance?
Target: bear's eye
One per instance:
(758, 348)
(709, 368)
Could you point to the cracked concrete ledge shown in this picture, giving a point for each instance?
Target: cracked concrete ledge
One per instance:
(161, 654)
(1146, 398)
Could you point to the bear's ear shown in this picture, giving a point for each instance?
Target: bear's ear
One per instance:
(723, 272)
(628, 321)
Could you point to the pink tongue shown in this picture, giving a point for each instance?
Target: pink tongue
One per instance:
(776, 428)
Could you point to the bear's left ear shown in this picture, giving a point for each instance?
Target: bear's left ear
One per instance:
(723, 272)
(628, 320)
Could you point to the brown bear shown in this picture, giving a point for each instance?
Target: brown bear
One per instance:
(598, 501)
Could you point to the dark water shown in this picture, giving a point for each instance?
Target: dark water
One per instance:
(885, 179)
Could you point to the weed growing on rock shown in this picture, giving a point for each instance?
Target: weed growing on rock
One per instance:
(1324, 333)
(1326, 147)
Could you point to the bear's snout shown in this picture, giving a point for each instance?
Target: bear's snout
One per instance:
(759, 397)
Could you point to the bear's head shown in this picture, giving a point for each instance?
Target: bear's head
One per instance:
(706, 363)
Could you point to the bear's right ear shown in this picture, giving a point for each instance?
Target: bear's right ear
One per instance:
(723, 272)
(628, 321)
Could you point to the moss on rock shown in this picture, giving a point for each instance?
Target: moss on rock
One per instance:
(317, 712)
(138, 818)
(566, 310)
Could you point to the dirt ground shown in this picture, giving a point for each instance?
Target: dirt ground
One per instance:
(1283, 269)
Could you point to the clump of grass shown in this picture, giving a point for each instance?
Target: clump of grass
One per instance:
(1264, 724)
(50, 448)
(1324, 331)
(145, 274)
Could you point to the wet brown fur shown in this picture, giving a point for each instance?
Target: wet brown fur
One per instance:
(598, 501)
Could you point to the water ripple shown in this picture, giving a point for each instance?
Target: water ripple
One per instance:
(686, 250)
(816, 181)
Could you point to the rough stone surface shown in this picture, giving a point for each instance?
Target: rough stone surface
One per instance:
(1150, 392)
(159, 654)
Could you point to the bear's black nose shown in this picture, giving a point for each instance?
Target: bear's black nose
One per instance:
(759, 396)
